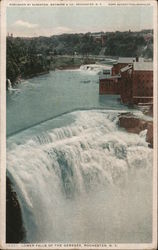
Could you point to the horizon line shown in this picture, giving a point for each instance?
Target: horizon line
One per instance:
(10, 34)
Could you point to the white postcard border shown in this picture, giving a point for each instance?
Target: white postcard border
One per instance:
(13, 3)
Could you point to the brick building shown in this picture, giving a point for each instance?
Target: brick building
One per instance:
(121, 63)
(142, 82)
(109, 85)
(126, 83)
(132, 79)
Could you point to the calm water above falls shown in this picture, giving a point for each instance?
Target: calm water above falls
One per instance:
(78, 177)
(47, 96)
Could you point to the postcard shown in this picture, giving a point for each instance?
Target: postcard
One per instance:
(78, 107)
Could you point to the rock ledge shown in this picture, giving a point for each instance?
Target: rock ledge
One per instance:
(134, 124)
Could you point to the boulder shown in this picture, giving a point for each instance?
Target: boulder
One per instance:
(15, 232)
(135, 125)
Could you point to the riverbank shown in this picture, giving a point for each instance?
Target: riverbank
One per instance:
(133, 124)
(36, 74)
(20, 79)
(69, 62)
(58, 62)
(32, 76)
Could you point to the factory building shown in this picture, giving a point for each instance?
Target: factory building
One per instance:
(132, 79)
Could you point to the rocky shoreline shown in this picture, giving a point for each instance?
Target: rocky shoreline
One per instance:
(37, 74)
(133, 124)
(15, 231)
(71, 67)
(20, 79)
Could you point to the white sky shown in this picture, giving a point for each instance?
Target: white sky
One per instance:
(47, 21)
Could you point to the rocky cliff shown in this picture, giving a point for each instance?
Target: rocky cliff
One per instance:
(135, 125)
(14, 226)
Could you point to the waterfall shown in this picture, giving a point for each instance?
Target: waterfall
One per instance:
(86, 182)
(95, 68)
(9, 84)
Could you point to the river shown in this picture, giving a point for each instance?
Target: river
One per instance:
(77, 175)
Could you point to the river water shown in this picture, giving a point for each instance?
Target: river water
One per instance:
(77, 175)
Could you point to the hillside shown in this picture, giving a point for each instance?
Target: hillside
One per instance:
(27, 57)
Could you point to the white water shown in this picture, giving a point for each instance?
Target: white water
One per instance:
(95, 68)
(9, 84)
(86, 182)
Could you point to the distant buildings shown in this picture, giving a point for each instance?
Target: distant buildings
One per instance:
(99, 37)
(132, 79)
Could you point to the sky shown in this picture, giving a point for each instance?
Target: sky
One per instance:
(48, 21)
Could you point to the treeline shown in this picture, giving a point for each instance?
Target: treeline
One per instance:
(111, 43)
(23, 60)
(30, 56)
(129, 44)
(114, 44)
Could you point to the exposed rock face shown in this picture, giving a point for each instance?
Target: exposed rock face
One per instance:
(147, 109)
(135, 125)
(14, 225)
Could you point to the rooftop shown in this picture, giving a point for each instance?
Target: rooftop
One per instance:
(126, 59)
(144, 66)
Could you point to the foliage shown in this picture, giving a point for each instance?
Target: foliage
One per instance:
(23, 60)
(29, 56)
(124, 44)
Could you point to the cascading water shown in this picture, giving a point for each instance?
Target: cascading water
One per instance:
(9, 84)
(85, 182)
(95, 68)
